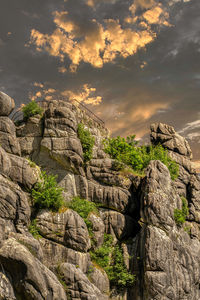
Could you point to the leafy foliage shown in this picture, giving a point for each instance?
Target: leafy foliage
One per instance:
(111, 260)
(34, 230)
(31, 109)
(84, 207)
(180, 215)
(101, 256)
(125, 150)
(46, 193)
(87, 142)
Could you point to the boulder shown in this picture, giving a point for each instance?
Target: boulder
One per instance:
(7, 104)
(8, 140)
(78, 284)
(166, 136)
(31, 279)
(98, 229)
(63, 254)
(112, 197)
(119, 225)
(67, 228)
(14, 203)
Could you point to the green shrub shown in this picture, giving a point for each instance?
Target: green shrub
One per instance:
(138, 158)
(33, 229)
(111, 260)
(84, 207)
(87, 142)
(46, 193)
(31, 109)
(101, 256)
(180, 215)
(117, 271)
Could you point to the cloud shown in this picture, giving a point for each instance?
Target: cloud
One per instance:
(132, 115)
(101, 42)
(85, 94)
(190, 126)
(93, 3)
(150, 13)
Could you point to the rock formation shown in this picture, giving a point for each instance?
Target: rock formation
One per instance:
(137, 211)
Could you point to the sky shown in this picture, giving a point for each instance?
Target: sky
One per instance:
(132, 62)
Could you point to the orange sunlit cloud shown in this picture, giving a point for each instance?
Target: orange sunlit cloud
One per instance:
(86, 94)
(105, 42)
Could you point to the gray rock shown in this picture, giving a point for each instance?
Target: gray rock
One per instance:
(31, 279)
(119, 225)
(14, 203)
(62, 254)
(110, 197)
(168, 264)
(23, 171)
(8, 140)
(5, 163)
(27, 240)
(166, 136)
(98, 229)
(100, 279)
(171, 265)
(7, 104)
(78, 284)
(157, 191)
(67, 228)
(33, 127)
(6, 289)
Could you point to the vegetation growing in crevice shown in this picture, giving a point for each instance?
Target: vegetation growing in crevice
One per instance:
(31, 109)
(33, 229)
(84, 207)
(87, 142)
(180, 215)
(61, 278)
(111, 259)
(46, 193)
(126, 151)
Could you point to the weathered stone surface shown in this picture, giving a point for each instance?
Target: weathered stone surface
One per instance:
(6, 228)
(5, 163)
(30, 243)
(111, 197)
(166, 136)
(79, 285)
(13, 203)
(22, 172)
(157, 191)
(169, 263)
(60, 122)
(33, 127)
(119, 225)
(108, 176)
(194, 198)
(98, 229)
(63, 254)
(6, 289)
(7, 104)
(8, 138)
(31, 279)
(100, 279)
(67, 228)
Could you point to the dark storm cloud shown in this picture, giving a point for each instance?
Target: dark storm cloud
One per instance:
(160, 83)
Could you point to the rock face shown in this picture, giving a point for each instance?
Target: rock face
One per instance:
(7, 104)
(137, 211)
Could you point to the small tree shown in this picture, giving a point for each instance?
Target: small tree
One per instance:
(31, 109)
(87, 142)
(47, 194)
